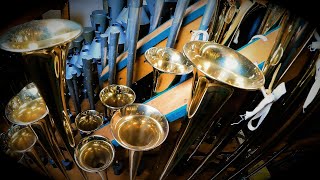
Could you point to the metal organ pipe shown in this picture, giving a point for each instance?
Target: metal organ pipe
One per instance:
(177, 21)
(132, 33)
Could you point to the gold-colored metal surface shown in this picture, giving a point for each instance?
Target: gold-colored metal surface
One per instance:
(94, 153)
(26, 107)
(44, 46)
(88, 121)
(224, 64)
(21, 139)
(168, 67)
(221, 75)
(39, 34)
(138, 127)
(115, 97)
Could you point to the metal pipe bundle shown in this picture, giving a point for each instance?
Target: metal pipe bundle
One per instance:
(177, 21)
(132, 37)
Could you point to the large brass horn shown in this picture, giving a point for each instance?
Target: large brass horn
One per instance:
(44, 45)
(222, 76)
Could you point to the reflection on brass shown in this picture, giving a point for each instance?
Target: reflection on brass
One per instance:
(94, 153)
(221, 74)
(166, 62)
(138, 127)
(88, 121)
(39, 34)
(224, 64)
(26, 107)
(21, 139)
(139, 131)
(44, 45)
(115, 97)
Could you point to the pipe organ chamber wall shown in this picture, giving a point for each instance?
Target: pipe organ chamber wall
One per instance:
(239, 90)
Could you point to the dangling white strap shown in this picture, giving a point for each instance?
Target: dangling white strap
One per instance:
(315, 87)
(259, 36)
(316, 44)
(196, 35)
(263, 108)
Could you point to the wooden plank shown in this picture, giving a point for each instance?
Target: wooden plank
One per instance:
(173, 102)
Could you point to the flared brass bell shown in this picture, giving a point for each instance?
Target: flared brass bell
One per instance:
(168, 67)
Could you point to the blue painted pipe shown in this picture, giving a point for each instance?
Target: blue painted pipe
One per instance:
(112, 55)
(99, 22)
(104, 43)
(132, 36)
(156, 15)
(114, 8)
(87, 72)
(207, 16)
(177, 21)
(71, 88)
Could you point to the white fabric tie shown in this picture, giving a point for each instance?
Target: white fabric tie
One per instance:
(196, 35)
(259, 36)
(263, 108)
(315, 87)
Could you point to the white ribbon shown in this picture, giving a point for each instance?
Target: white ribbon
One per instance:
(263, 108)
(196, 35)
(316, 44)
(259, 36)
(315, 87)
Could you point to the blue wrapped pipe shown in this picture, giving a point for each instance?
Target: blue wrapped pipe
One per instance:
(114, 8)
(207, 16)
(112, 55)
(156, 15)
(70, 85)
(177, 21)
(103, 51)
(87, 72)
(132, 37)
(88, 35)
(99, 22)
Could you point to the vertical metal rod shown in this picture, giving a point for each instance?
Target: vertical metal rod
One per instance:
(103, 175)
(72, 94)
(134, 161)
(104, 43)
(112, 55)
(132, 37)
(87, 66)
(156, 15)
(207, 16)
(177, 21)
(76, 91)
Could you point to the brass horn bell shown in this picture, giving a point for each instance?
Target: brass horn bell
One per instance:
(221, 77)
